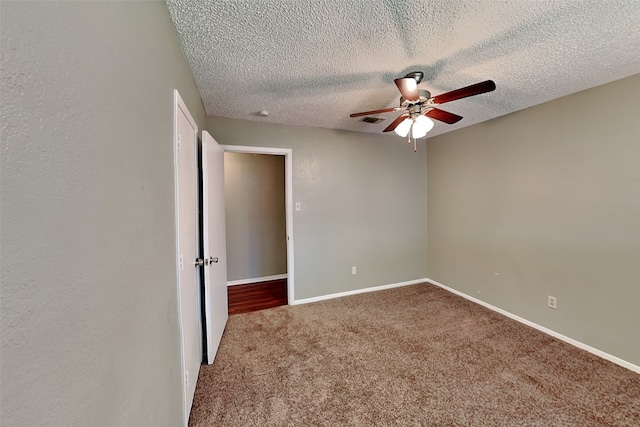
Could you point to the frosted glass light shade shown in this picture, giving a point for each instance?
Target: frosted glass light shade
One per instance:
(403, 128)
(421, 126)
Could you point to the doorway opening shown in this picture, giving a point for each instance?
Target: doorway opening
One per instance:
(257, 279)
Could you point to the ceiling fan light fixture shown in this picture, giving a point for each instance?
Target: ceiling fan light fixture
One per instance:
(421, 126)
(403, 128)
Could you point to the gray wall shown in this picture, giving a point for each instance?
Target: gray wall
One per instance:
(549, 199)
(255, 215)
(362, 202)
(89, 310)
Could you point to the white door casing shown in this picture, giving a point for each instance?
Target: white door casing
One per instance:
(186, 182)
(215, 243)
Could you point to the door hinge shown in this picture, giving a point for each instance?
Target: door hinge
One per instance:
(179, 142)
(181, 262)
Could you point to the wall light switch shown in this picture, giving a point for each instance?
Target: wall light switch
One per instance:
(354, 270)
(298, 206)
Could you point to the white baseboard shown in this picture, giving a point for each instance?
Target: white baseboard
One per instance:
(564, 338)
(257, 279)
(357, 291)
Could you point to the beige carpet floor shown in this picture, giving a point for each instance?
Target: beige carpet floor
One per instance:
(411, 356)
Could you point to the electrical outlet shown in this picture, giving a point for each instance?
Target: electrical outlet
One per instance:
(354, 270)
(552, 302)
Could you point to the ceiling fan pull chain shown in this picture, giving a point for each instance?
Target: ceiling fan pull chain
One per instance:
(415, 147)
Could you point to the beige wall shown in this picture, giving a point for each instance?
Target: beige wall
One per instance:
(255, 215)
(89, 311)
(362, 202)
(541, 202)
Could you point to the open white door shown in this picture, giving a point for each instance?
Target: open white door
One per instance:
(215, 243)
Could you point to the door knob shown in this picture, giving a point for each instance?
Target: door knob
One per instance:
(202, 261)
(213, 260)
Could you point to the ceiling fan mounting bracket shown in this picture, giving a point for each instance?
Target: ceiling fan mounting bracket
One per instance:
(417, 75)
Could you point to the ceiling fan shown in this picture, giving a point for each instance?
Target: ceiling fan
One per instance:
(419, 105)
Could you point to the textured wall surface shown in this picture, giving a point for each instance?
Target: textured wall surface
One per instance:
(313, 62)
(89, 311)
(362, 199)
(255, 215)
(546, 202)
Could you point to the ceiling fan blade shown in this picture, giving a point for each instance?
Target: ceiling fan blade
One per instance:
(408, 87)
(368, 113)
(443, 116)
(476, 89)
(396, 122)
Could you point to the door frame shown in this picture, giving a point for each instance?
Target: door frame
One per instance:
(179, 105)
(288, 195)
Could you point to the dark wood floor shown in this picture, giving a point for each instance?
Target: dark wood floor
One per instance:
(257, 296)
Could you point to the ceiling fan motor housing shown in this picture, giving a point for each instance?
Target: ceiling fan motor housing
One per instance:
(425, 95)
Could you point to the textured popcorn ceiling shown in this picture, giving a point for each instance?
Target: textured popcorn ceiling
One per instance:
(313, 62)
